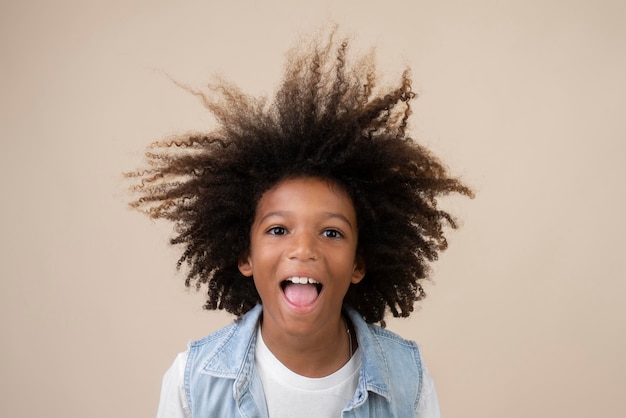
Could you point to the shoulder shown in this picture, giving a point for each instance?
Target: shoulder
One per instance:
(221, 335)
(383, 341)
(390, 337)
(204, 364)
(393, 367)
(400, 357)
(245, 325)
(408, 374)
(395, 346)
(223, 351)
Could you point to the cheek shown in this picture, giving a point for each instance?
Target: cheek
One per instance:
(343, 263)
(264, 261)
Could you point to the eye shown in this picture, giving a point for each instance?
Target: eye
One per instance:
(332, 233)
(277, 230)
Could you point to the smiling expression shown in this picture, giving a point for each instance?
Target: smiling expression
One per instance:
(303, 255)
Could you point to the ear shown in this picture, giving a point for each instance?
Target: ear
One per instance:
(245, 266)
(358, 272)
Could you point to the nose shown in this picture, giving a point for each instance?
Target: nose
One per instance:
(303, 247)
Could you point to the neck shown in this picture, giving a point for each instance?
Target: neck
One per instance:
(317, 355)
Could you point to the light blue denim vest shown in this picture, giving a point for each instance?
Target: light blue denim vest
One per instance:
(221, 381)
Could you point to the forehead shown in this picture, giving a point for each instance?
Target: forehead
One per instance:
(309, 194)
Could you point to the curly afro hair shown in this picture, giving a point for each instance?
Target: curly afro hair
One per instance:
(328, 120)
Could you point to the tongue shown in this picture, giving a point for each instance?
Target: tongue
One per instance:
(300, 294)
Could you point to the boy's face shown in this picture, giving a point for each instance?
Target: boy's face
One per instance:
(303, 255)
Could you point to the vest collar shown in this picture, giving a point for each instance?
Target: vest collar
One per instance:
(233, 356)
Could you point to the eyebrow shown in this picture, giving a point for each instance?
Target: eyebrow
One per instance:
(287, 214)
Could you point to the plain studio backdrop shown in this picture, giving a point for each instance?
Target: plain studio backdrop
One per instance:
(523, 99)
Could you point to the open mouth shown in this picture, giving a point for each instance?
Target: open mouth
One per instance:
(301, 291)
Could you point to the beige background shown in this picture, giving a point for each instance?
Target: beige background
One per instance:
(524, 99)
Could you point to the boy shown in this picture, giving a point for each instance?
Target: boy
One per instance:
(308, 219)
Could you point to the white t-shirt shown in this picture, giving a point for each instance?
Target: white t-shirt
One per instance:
(288, 394)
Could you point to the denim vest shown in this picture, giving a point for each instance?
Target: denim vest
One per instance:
(221, 381)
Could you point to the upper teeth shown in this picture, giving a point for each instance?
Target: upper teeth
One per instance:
(302, 280)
